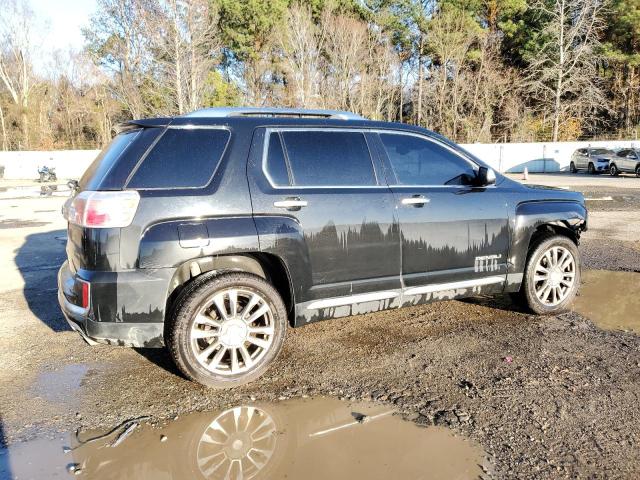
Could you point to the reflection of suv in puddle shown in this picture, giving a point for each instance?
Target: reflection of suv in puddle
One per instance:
(309, 439)
(210, 232)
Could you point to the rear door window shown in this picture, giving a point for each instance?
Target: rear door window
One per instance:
(328, 158)
(182, 158)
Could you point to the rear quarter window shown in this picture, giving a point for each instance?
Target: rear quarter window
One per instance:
(181, 158)
(94, 176)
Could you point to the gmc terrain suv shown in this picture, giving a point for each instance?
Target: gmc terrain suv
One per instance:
(211, 232)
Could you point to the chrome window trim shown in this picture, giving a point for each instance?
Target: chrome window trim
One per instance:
(265, 151)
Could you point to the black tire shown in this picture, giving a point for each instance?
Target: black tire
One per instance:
(591, 169)
(528, 286)
(183, 314)
(638, 171)
(613, 170)
(572, 168)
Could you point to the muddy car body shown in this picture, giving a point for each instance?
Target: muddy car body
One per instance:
(209, 233)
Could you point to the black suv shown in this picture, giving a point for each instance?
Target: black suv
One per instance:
(210, 232)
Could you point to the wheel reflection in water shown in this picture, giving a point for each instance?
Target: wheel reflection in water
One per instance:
(237, 444)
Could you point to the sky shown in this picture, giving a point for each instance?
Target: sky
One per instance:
(63, 21)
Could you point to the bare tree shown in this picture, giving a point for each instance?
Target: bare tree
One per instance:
(120, 43)
(302, 42)
(562, 75)
(16, 70)
(186, 47)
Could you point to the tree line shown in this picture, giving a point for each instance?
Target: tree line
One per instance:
(473, 70)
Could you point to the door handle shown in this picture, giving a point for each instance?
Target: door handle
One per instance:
(415, 201)
(293, 203)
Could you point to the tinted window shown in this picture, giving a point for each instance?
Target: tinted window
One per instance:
(105, 160)
(600, 151)
(623, 153)
(320, 158)
(276, 163)
(182, 158)
(582, 151)
(417, 161)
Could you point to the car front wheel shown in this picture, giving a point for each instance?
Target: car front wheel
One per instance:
(226, 329)
(591, 169)
(552, 275)
(613, 170)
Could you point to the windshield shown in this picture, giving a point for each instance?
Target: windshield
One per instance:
(600, 151)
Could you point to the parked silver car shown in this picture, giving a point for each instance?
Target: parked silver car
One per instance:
(626, 160)
(594, 160)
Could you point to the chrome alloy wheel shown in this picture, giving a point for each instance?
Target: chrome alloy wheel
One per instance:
(232, 331)
(237, 444)
(554, 276)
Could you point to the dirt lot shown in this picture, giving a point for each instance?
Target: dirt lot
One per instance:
(545, 397)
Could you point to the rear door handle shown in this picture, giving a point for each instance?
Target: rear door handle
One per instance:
(293, 203)
(415, 201)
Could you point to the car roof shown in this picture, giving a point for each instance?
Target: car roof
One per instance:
(290, 118)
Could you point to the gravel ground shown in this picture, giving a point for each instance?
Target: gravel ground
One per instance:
(546, 397)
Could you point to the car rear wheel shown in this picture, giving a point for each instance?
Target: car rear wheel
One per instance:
(552, 275)
(638, 171)
(591, 169)
(613, 170)
(572, 167)
(226, 329)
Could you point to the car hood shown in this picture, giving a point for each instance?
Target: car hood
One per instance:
(544, 192)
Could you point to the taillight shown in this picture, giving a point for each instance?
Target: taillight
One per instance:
(85, 294)
(103, 209)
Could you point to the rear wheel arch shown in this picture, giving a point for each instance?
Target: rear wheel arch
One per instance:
(264, 265)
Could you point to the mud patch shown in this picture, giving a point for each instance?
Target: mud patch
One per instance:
(610, 299)
(303, 438)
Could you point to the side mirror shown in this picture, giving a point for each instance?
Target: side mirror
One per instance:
(486, 176)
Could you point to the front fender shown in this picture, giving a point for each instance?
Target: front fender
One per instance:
(530, 216)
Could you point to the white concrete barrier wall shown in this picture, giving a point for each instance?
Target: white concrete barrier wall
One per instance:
(537, 157)
(504, 157)
(68, 163)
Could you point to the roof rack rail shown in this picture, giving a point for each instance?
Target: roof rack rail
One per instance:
(219, 112)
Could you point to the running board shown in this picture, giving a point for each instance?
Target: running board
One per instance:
(442, 287)
(387, 295)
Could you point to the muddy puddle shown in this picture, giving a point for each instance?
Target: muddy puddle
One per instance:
(303, 438)
(610, 299)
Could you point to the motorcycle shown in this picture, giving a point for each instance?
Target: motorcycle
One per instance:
(47, 174)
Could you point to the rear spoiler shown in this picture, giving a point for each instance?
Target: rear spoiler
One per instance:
(144, 123)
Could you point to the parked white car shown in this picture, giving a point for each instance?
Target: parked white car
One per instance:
(594, 160)
(626, 160)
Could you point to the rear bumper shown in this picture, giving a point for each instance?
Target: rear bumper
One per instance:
(114, 296)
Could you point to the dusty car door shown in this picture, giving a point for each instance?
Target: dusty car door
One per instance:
(630, 161)
(320, 201)
(582, 158)
(621, 160)
(454, 236)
